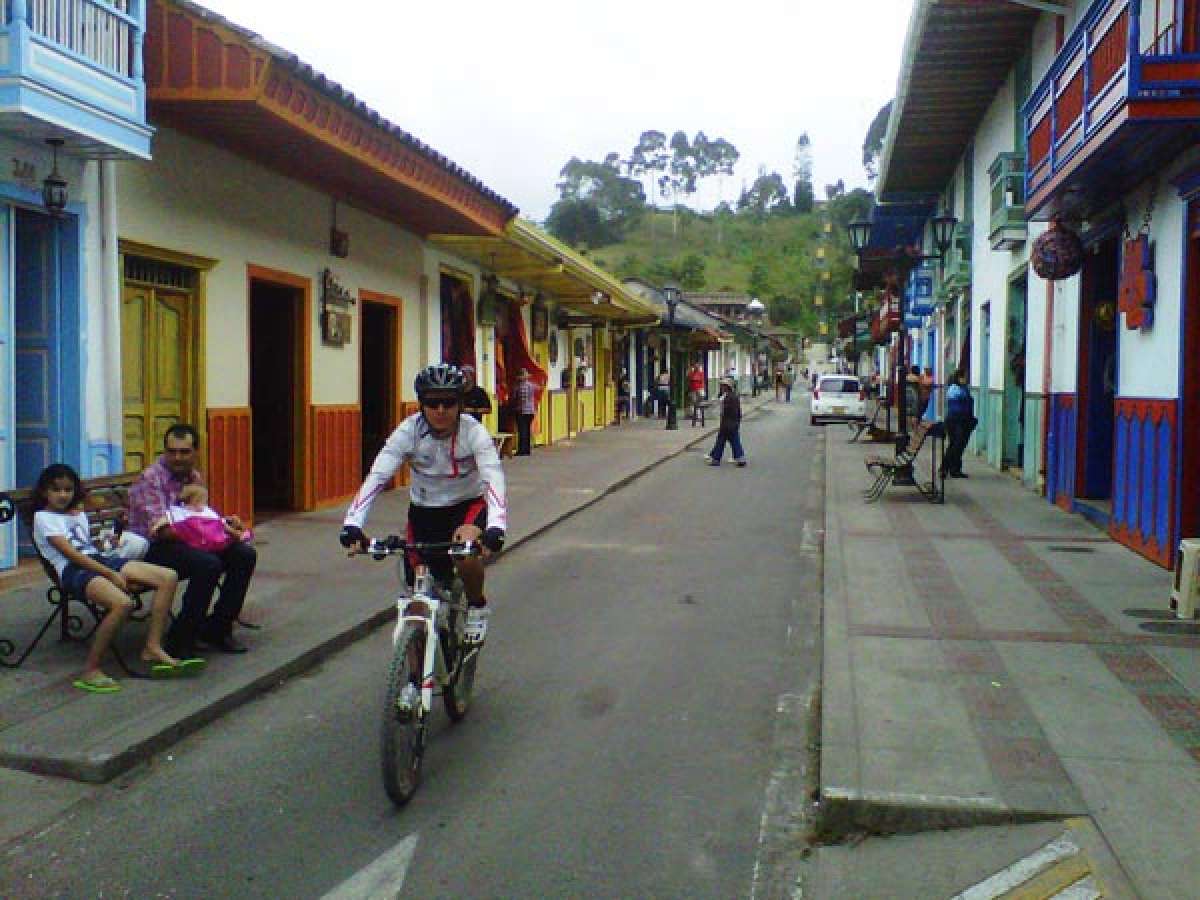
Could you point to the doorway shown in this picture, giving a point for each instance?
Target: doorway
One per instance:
(158, 316)
(1013, 454)
(1098, 364)
(276, 395)
(379, 373)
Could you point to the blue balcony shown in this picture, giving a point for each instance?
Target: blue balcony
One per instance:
(73, 69)
(1121, 98)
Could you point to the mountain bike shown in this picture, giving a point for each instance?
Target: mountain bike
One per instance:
(421, 667)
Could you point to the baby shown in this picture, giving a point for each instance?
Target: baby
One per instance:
(200, 526)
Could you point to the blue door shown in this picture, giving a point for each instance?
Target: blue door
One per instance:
(38, 339)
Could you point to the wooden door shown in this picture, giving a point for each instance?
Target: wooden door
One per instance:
(156, 366)
(39, 438)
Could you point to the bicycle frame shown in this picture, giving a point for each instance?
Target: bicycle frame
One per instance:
(433, 669)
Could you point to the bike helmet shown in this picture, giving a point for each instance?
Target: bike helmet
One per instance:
(441, 379)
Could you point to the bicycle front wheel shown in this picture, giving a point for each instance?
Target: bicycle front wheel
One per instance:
(402, 735)
(457, 694)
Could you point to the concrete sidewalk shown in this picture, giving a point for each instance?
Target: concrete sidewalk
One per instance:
(309, 598)
(994, 660)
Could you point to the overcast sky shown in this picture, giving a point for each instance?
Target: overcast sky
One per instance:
(511, 90)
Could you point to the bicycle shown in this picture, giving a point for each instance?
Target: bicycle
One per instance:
(419, 665)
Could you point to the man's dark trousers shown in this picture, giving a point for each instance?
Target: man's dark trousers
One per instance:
(958, 432)
(524, 427)
(202, 571)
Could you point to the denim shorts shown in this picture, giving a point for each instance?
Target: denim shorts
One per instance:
(75, 578)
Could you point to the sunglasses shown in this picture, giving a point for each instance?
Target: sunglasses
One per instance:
(440, 402)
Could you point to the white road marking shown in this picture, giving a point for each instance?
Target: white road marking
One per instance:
(1021, 871)
(383, 878)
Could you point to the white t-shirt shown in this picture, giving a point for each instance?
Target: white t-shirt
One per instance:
(72, 526)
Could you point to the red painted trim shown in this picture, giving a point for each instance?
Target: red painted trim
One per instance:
(1169, 71)
(229, 449)
(1165, 110)
(337, 450)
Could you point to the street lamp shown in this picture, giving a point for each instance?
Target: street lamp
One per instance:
(755, 308)
(905, 259)
(670, 292)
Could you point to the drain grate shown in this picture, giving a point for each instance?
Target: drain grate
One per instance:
(1060, 548)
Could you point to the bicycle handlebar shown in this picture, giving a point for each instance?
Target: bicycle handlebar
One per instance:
(393, 544)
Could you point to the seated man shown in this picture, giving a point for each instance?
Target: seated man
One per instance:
(150, 498)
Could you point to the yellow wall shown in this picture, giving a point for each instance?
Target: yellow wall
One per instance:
(558, 415)
(586, 400)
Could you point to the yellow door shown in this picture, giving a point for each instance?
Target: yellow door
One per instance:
(156, 332)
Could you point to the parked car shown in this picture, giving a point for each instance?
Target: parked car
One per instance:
(840, 397)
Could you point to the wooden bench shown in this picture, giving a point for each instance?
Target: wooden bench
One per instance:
(506, 443)
(107, 508)
(898, 468)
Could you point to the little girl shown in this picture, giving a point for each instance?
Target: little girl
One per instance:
(61, 533)
(200, 526)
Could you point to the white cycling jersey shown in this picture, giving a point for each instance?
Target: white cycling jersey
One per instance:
(445, 471)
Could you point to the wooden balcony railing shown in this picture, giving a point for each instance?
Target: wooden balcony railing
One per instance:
(1112, 61)
(106, 33)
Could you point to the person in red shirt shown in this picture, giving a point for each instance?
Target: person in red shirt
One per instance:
(695, 384)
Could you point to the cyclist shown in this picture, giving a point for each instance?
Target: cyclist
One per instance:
(457, 491)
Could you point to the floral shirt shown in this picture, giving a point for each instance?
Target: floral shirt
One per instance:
(153, 494)
(526, 398)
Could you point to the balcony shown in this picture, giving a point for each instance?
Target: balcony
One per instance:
(73, 69)
(956, 270)
(1008, 228)
(1120, 99)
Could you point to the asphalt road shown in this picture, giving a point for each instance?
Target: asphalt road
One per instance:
(639, 729)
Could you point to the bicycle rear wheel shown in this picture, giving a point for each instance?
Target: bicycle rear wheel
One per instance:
(402, 735)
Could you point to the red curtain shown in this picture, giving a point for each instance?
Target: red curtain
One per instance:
(512, 354)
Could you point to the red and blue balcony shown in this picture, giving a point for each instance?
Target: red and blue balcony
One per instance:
(1121, 98)
(73, 69)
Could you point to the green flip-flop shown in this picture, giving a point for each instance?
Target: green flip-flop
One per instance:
(185, 668)
(103, 685)
(191, 667)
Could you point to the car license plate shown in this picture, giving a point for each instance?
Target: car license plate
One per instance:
(839, 410)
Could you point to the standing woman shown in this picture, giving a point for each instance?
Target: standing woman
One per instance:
(730, 427)
(960, 422)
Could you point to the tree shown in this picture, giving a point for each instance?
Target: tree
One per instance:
(597, 203)
(691, 272)
(760, 280)
(803, 196)
(833, 191)
(873, 144)
(650, 156)
(767, 194)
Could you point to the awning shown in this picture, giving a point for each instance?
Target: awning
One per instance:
(956, 57)
(531, 258)
(893, 225)
(225, 85)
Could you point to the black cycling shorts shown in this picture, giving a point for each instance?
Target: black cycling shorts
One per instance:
(436, 524)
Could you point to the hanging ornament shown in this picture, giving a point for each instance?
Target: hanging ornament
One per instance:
(1057, 253)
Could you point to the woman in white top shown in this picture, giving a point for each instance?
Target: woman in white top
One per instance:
(62, 536)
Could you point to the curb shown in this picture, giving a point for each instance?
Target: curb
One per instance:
(102, 768)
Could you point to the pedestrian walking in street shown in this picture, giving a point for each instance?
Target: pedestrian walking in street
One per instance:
(62, 535)
(729, 431)
(525, 399)
(779, 385)
(150, 498)
(960, 422)
(475, 399)
(789, 379)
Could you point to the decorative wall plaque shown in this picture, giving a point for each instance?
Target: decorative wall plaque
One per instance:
(336, 302)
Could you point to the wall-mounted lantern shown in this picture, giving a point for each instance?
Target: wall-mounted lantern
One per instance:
(54, 188)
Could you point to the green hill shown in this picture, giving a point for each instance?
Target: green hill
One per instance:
(775, 257)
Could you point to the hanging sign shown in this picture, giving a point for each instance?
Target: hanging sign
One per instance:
(1136, 294)
(919, 292)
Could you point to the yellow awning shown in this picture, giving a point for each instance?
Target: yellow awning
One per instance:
(528, 256)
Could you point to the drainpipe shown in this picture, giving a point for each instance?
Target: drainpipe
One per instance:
(110, 274)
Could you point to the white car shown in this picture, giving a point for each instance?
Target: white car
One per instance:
(838, 397)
